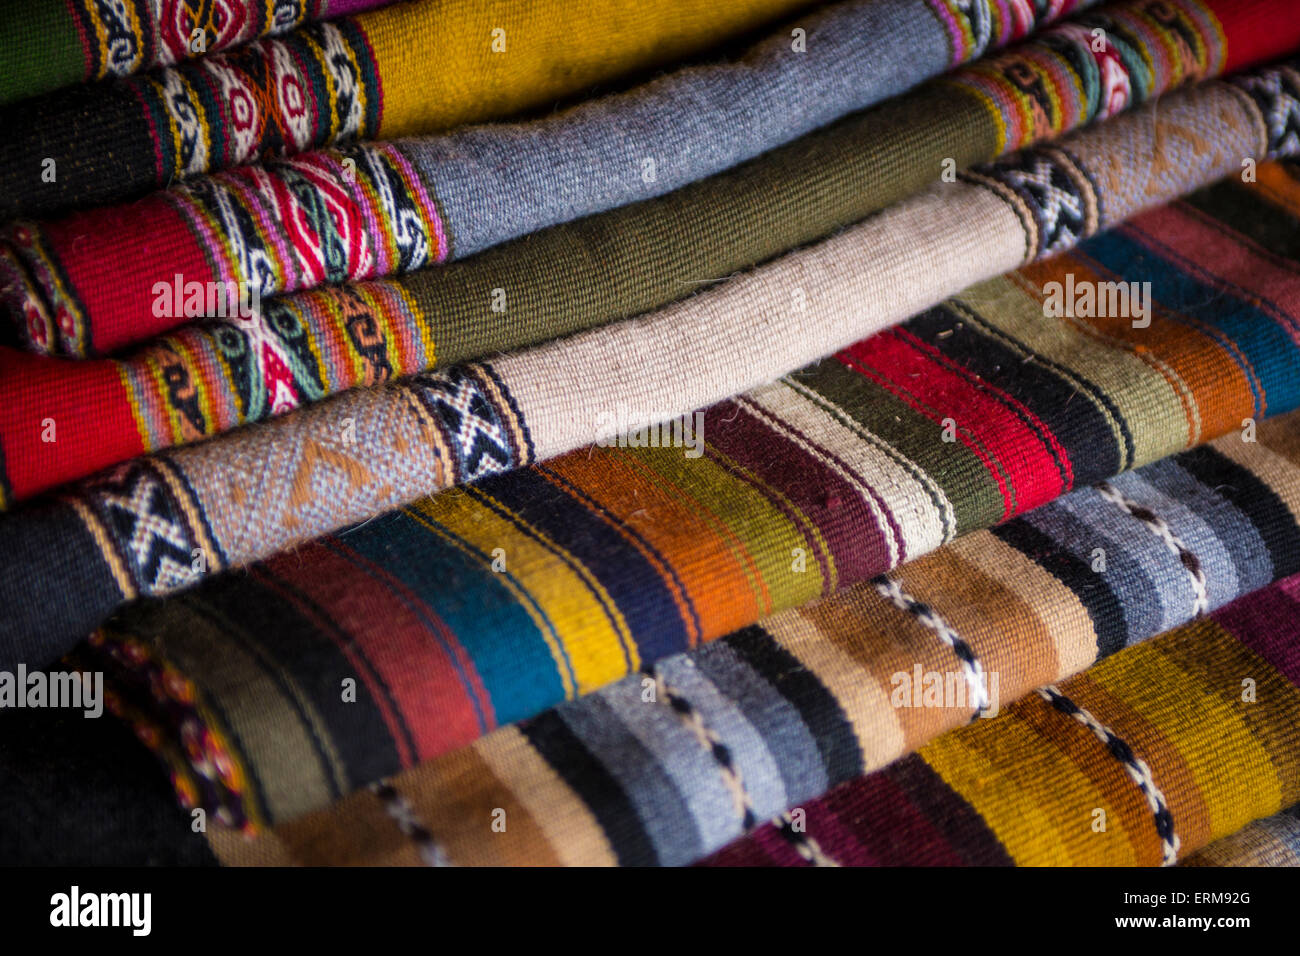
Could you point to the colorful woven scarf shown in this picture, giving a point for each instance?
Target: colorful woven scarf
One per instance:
(408, 68)
(1146, 757)
(385, 208)
(342, 664)
(160, 524)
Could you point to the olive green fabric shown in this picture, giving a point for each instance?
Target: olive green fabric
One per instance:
(641, 257)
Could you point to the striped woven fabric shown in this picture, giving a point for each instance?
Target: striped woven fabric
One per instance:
(160, 524)
(57, 43)
(208, 379)
(1148, 755)
(1273, 841)
(1167, 746)
(388, 208)
(471, 610)
(805, 191)
(360, 77)
(242, 688)
(102, 773)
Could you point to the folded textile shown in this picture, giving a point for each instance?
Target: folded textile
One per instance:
(1273, 841)
(1029, 606)
(408, 68)
(210, 379)
(1168, 744)
(86, 283)
(476, 608)
(161, 523)
(56, 43)
(1144, 757)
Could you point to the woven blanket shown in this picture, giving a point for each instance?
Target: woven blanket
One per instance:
(241, 688)
(86, 283)
(1045, 618)
(207, 379)
(161, 523)
(360, 77)
(1166, 746)
(58, 43)
(477, 608)
(1272, 841)
(1147, 756)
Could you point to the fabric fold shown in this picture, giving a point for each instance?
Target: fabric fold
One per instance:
(482, 606)
(396, 71)
(1140, 760)
(161, 523)
(667, 767)
(57, 44)
(380, 209)
(1272, 841)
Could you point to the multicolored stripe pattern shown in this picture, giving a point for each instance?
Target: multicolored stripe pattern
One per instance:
(332, 81)
(69, 296)
(74, 41)
(549, 582)
(1094, 66)
(1179, 740)
(1205, 717)
(301, 348)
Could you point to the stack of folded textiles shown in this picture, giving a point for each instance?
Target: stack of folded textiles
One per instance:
(743, 432)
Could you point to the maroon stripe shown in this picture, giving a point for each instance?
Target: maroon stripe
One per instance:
(828, 502)
(960, 825)
(1268, 622)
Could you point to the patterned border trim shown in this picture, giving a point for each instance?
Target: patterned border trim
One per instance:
(319, 84)
(122, 37)
(473, 421)
(1276, 93)
(169, 716)
(1057, 202)
(149, 527)
(28, 271)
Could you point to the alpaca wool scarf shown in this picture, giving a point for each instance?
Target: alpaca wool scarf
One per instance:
(409, 68)
(1179, 741)
(161, 523)
(239, 685)
(86, 282)
(210, 378)
(665, 768)
(59, 43)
